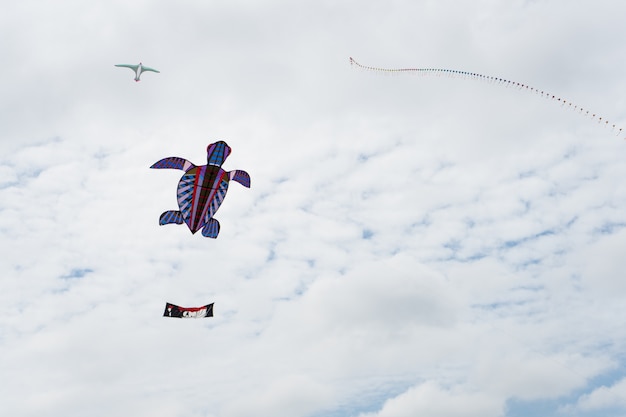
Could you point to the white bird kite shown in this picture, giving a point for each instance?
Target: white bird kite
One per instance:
(137, 68)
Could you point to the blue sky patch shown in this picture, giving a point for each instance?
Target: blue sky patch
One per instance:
(77, 273)
(565, 406)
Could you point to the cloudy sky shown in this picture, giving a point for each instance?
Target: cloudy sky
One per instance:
(411, 245)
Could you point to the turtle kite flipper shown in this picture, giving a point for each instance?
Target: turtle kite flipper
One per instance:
(240, 176)
(173, 162)
(211, 229)
(171, 216)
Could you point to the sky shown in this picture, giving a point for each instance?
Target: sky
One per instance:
(411, 245)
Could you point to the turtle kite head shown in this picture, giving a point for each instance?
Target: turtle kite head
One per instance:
(217, 153)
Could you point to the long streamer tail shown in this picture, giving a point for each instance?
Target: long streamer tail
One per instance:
(452, 72)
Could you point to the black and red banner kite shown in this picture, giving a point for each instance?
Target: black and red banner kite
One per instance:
(172, 310)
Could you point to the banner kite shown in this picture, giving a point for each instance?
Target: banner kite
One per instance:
(172, 310)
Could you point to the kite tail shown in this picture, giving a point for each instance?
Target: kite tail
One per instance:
(505, 82)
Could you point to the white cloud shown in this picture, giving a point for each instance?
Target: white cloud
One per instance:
(292, 395)
(433, 400)
(604, 397)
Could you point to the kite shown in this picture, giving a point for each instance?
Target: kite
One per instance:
(521, 86)
(138, 69)
(172, 310)
(201, 189)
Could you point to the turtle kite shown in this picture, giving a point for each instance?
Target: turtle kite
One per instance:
(201, 189)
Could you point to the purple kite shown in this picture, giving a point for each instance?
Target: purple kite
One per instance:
(201, 189)
(172, 310)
